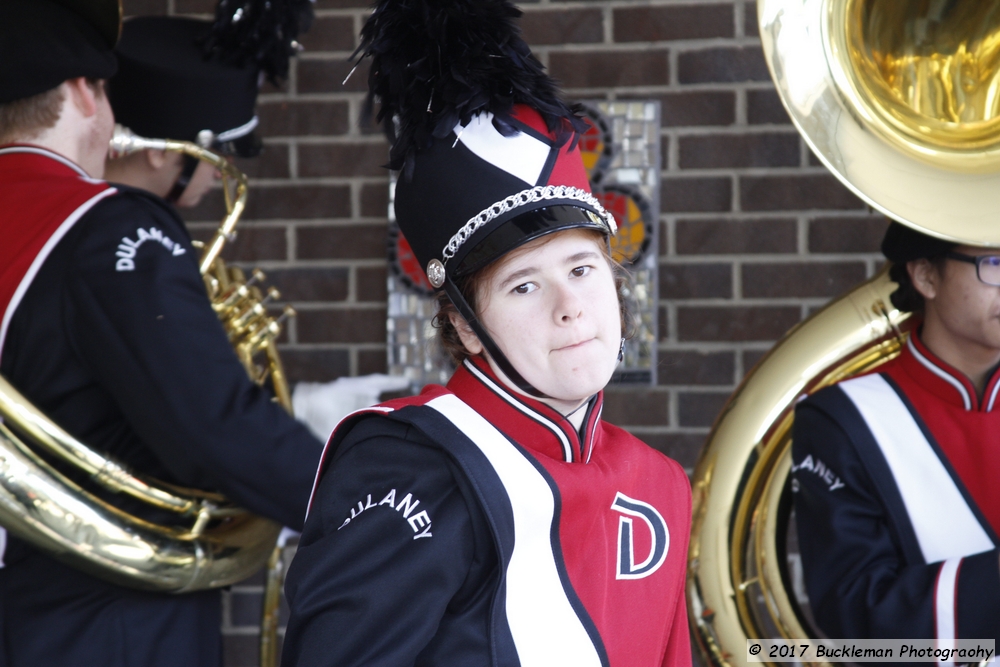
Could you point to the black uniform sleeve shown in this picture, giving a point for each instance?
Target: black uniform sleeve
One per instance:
(390, 549)
(139, 317)
(860, 579)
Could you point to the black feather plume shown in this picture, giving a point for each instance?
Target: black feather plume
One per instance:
(436, 63)
(259, 31)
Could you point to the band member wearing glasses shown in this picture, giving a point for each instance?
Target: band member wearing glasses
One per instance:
(894, 473)
(127, 356)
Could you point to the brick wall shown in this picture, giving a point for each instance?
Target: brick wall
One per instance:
(755, 233)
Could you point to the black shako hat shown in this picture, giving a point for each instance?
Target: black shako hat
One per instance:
(903, 244)
(486, 148)
(46, 42)
(166, 87)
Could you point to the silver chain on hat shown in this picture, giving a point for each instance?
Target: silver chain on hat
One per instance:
(539, 193)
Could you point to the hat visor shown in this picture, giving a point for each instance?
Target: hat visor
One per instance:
(526, 227)
(248, 145)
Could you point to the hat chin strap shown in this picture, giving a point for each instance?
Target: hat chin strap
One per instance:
(180, 185)
(499, 358)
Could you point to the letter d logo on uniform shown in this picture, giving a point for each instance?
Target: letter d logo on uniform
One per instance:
(658, 533)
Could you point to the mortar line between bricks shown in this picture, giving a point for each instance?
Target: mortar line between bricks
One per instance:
(768, 258)
(680, 45)
(757, 216)
(758, 302)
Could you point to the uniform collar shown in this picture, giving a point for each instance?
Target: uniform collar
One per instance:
(529, 422)
(30, 149)
(944, 381)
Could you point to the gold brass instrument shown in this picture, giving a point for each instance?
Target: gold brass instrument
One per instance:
(210, 543)
(900, 101)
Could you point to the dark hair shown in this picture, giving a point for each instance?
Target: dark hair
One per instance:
(469, 286)
(906, 297)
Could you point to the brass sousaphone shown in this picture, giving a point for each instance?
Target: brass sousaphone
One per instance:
(900, 99)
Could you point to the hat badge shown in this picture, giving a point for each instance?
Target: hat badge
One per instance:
(435, 272)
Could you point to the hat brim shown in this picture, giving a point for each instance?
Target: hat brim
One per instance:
(524, 228)
(248, 145)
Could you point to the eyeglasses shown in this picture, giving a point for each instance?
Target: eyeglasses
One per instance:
(987, 266)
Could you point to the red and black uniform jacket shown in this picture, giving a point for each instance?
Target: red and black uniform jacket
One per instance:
(107, 328)
(473, 526)
(897, 504)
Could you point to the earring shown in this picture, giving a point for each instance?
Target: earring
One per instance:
(621, 350)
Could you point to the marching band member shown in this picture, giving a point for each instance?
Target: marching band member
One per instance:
(108, 329)
(498, 520)
(165, 89)
(893, 472)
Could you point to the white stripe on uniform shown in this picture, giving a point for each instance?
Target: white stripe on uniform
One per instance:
(546, 629)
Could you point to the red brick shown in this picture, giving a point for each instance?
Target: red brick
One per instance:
(375, 200)
(310, 284)
(371, 284)
(343, 160)
(695, 281)
(735, 323)
(327, 76)
(751, 28)
(730, 237)
(563, 26)
(341, 242)
(751, 358)
(372, 361)
(738, 150)
(244, 608)
(629, 407)
(315, 365)
(847, 234)
(656, 24)
(300, 201)
(609, 69)
(697, 108)
(800, 279)
(271, 163)
(696, 195)
(699, 409)
(341, 326)
(699, 368)
(256, 243)
(722, 65)
(329, 33)
(764, 107)
(241, 650)
(303, 118)
(796, 192)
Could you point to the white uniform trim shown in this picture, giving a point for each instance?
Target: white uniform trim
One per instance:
(541, 419)
(993, 397)
(944, 604)
(36, 265)
(546, 629)
(37, 150)
(947, 377)
(944, 523)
